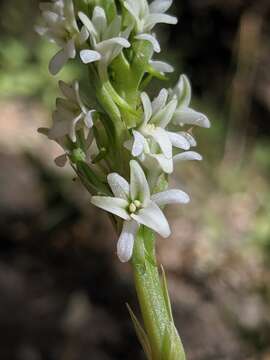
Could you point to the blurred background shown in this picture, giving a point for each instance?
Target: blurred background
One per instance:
(63, 291)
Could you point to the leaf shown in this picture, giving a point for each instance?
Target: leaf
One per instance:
(172, 348)
(142, 336)
(166, 293)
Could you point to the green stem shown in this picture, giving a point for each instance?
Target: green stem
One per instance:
(154, 302)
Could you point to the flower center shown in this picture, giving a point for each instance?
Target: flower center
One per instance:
(134, 206)
(147, 130)
(150, 127)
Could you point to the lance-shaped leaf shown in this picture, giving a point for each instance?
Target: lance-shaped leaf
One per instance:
(141, 334)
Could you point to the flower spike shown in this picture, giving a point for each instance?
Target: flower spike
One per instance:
(124, 148)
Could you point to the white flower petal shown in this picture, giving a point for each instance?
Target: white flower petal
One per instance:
(139, 143)
(152, 217)
(170, 197)
(119, 186)
(183, 91)
(139, 188)
(178, 140)
(69, 13)
(147, 107)
(151, 39)
(163, 117)
(110, 48)
(70, 49)
(88, 119)
(116, 206)
(78, 101)
(72, 127)
(114, 28)
(126, 240)
(165, 164)
(133, 9)
(99, 20)
(189, 138)
(121, 41)
(126, 33)
(84, 35)
(187, 155)
(160, 101)
(57, 62)
(161, 66)
(87, 23)
(161, 137)
(188, 116)
(154, 19)
(88, 56)
(160, 6)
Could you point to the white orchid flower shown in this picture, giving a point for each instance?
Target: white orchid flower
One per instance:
(59, 26)
(152, 143)
(134, 204)
(146, 16)
(184, 114)
(106, 40)
(70, 116)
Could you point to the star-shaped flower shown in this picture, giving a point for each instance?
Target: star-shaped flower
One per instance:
(106, 40)
(134, 204)
(146, 16)
(70, 116)
(59, 26)
(184, 114)
(152, 142)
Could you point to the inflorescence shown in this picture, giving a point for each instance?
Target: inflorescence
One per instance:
(125, 148)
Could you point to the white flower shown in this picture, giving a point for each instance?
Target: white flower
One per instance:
(134, 204)
(146, 16)
(59, 26)
(70, 116)
(152, 142)
(184, 115)
(106, 40)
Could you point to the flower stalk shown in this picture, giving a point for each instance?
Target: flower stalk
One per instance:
(161, 340)
(125, 149)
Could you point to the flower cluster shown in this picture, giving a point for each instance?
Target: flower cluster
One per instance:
(59, 25)
(124, 150)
